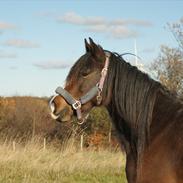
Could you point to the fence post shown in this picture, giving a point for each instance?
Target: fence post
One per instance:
(109, 137)
(44, 144)
(33, 125)
(14, 148)
(81, 142)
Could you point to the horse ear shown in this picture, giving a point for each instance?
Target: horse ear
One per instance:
(96, 50)
(87, 46)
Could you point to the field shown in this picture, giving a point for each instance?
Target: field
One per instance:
(32, 163)
(61, 160)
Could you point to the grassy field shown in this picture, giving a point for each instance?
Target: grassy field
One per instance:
(33, 164)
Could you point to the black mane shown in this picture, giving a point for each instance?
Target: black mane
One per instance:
(134, 95)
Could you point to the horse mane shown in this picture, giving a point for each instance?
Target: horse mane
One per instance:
(133, 98)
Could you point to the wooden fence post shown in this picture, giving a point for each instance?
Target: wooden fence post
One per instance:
(81, 142)
(14, 147)
(44, 144)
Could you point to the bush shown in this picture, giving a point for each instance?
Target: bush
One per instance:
(23, 118)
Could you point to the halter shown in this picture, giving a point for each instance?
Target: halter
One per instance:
(95, 91)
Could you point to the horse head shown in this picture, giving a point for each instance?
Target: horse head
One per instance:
(83, 85)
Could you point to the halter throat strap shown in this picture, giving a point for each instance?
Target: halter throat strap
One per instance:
(95, 91)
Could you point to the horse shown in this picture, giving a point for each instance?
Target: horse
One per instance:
(147, 117)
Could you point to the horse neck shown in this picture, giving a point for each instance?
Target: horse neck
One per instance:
(166, 112)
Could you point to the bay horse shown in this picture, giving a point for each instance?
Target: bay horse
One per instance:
(147, 117)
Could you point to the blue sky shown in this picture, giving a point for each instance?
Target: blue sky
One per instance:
(40, 40)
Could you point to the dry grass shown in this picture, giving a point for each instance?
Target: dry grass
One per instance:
(33, 164)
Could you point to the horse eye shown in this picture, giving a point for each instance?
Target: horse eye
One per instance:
(85, 73)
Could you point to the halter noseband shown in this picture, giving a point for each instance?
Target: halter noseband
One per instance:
(95, 91)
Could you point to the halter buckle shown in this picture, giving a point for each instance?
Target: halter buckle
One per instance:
(99, 98)
(76, 105)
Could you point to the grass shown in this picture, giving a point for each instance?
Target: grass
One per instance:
(33, 164)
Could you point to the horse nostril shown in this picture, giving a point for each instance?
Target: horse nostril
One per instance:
(59, 110)
(64, 112)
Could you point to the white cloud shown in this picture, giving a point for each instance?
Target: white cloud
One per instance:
(97, 28)
(7, 26)
(116, 28)
(52, 65)
(71, 18)
(114, 31)
(20, 43)
(135, 22)
(7, 54)
(74, 18)
(122, 32)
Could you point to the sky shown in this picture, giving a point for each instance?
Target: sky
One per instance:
(40, 40)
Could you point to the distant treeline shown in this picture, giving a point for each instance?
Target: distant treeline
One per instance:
(25, 118)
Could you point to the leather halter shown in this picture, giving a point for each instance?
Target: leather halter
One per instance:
(95, 91)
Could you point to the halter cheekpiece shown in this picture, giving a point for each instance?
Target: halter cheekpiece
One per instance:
(95, 91)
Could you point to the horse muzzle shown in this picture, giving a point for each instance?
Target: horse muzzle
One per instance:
(60, 113)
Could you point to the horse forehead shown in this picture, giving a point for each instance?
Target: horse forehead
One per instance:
(79, 66)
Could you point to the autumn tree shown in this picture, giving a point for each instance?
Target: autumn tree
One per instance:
(168, 66)
(177, 30)
(169, 69)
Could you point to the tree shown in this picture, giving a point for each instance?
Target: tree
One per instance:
(169, 68)
(177, 30)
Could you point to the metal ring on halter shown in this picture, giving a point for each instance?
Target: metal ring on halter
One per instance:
(83, 120)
